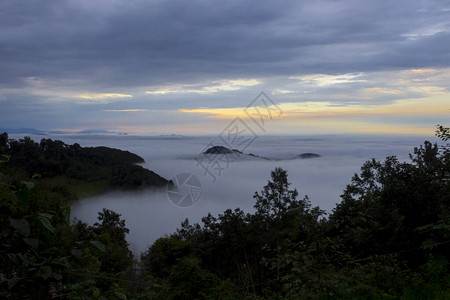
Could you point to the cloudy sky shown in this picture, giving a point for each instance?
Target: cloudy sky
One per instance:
(191, 67)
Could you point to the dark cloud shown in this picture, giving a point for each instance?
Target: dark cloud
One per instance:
(55, 50)
(135, 43)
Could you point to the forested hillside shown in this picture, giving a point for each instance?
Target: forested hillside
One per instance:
(75, 166)
(389, 238)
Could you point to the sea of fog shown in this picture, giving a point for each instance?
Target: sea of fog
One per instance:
(150, 215)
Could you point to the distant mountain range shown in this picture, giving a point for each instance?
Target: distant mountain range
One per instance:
(34, 131)
(96, 131)
(23, 130)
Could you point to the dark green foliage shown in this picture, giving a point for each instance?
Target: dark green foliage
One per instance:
(189, 281)
(51, 158)
(134, 176)
(383, 207)
(111, 231)
(41, 253)
(276, 198)
(163, 254)
(3, 142)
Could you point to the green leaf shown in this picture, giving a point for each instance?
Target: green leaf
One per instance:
(13, 258)
(428, 244)
(46, 223)
(62, 261)
(34, 243)
(12, 281)
(57, 276)
(20, 224)
(24, 258)
(45, 272)
(77, 253)
(47, 216)
(28, 184)
(98, 245)
(120, 295)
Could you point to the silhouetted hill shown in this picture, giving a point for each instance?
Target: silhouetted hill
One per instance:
(96, 131)
(307, 155)
(225, 150)
(221, 150)
(23, 131)
(51, 158)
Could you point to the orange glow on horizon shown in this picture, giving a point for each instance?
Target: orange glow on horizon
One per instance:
(327, 116)
(436, 105)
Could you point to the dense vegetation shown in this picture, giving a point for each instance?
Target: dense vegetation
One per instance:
(105, 166)
(389, 238)
(43, 256)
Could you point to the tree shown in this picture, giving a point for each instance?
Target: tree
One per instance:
(112, 231)
(3, 142)
(163, 254)
(276, 197)
(388, 201)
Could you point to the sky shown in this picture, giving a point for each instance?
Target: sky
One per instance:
(192, 67)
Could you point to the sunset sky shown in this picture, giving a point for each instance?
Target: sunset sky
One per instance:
(191, 67)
